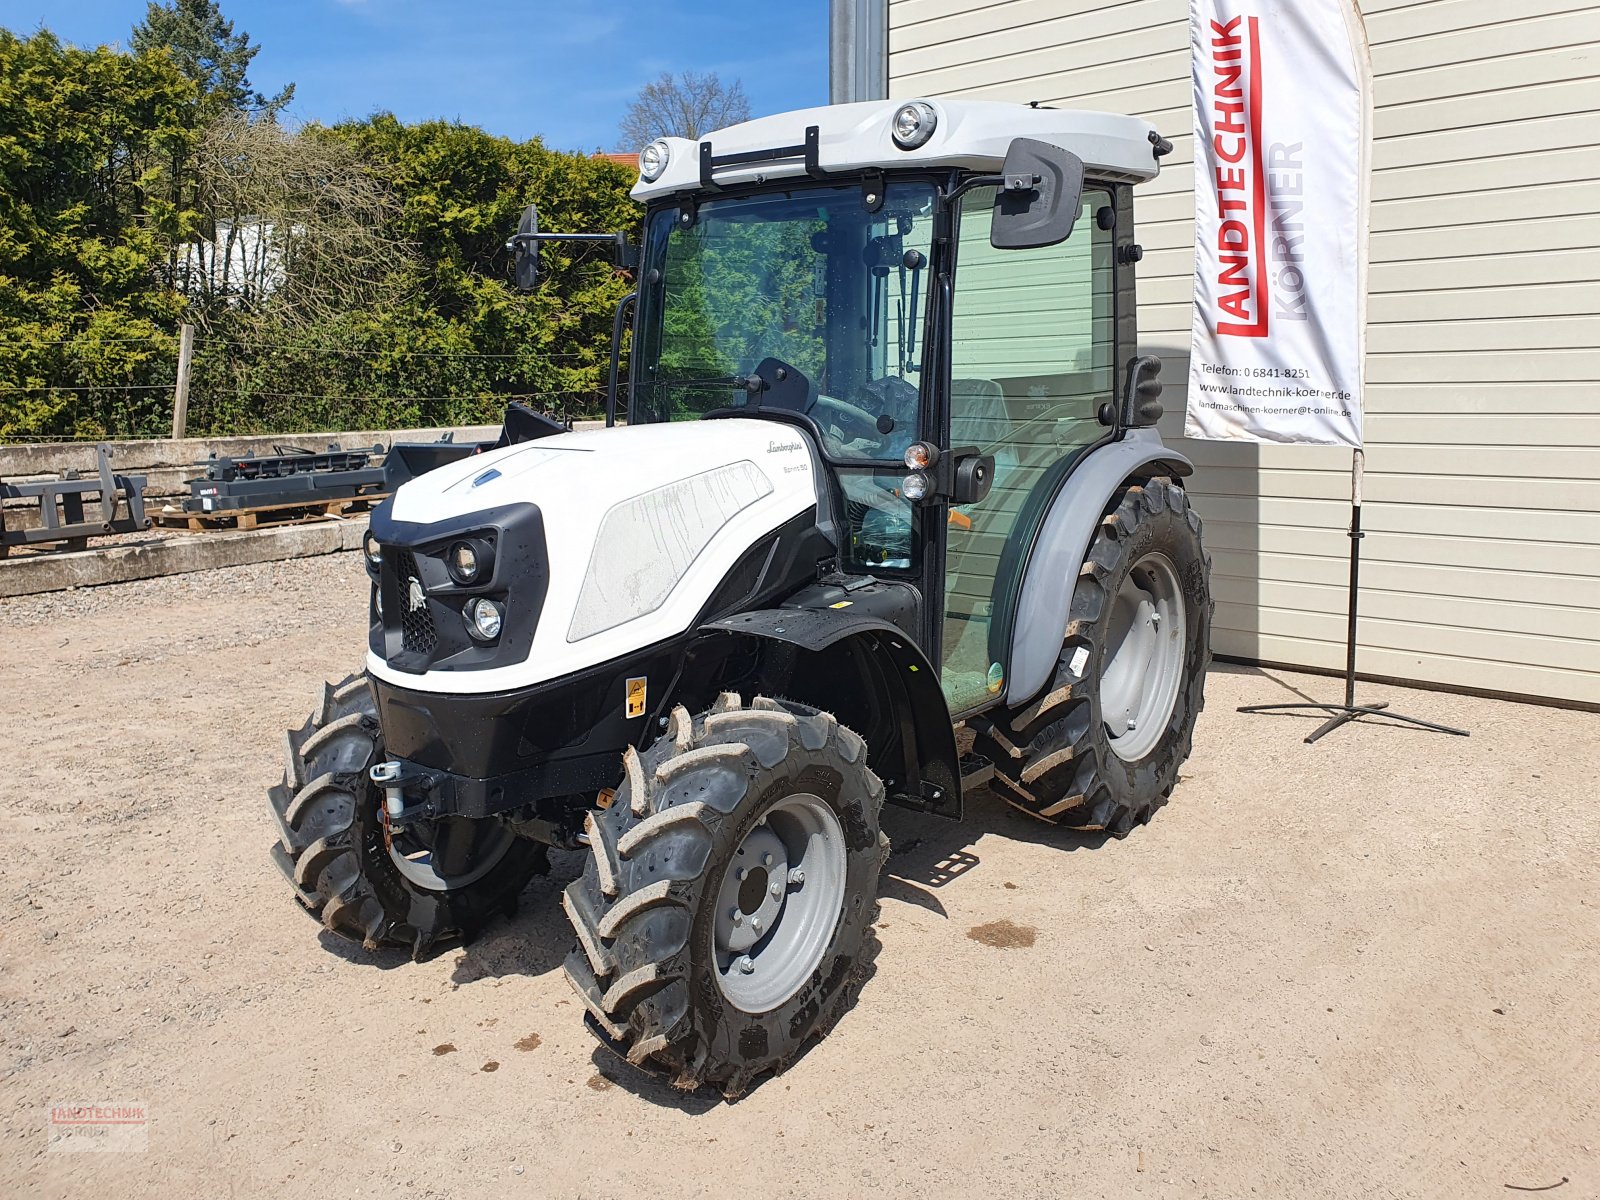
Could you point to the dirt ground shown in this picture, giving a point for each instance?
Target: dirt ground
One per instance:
(1365, 968)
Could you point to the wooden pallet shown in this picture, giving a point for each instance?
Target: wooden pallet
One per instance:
(265, 515)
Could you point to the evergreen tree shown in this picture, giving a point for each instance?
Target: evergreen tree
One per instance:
(91, 146)
(204, 46)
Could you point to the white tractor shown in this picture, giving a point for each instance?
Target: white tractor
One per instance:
(889, 468)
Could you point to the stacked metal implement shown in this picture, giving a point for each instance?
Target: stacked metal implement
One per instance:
(67, 517)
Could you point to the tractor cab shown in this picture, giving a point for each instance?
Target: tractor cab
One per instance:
(938, 293)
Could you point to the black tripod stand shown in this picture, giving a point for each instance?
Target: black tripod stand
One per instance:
(1341, 714)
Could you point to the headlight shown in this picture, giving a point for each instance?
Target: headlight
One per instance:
(914, 124)
(462, 559)
(371, 548)
(484, 619)
(653, 160)
(920, 456)
(915, 486)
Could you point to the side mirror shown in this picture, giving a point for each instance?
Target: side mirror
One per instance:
(525, 250)
(1039, 199)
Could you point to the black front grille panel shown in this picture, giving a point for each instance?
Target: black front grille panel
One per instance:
(422, 627)
(418, 634)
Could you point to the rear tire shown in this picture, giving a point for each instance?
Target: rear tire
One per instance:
(715, 796)
(333, 849)
(1102, 747)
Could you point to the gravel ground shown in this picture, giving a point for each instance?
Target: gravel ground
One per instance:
(1369, 967)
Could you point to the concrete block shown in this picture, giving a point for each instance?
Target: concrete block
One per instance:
(30, 574)
(139, 457)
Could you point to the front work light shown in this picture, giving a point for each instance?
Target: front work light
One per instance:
(653, 160)
(372, 549)
(484, 619)
(914, 124)
(463, 562)
(916, 486)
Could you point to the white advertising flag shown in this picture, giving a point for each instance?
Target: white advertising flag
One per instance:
(1282, 124)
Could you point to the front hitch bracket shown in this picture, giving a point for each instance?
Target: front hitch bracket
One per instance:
(397, 777)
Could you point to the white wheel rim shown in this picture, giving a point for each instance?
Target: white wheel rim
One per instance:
(778, 904)
(1143, 665)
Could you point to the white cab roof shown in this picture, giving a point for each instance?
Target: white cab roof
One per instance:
(970, 133)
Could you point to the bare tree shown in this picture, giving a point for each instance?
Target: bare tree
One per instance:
(301, 228)
(689, 104)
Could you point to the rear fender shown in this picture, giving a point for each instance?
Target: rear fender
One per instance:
(1058, 551)
(876, 680)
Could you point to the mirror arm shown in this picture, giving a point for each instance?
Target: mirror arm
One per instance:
(973, 181)
(626, 254)
(1003, 182)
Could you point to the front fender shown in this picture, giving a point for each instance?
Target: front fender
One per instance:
(877, 681)
(1063, 540)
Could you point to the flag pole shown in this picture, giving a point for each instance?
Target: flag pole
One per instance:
(1358, 462)
(1343, 714)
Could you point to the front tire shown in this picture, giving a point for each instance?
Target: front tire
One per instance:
(368, 883)
(725, 915)
(1101, 748)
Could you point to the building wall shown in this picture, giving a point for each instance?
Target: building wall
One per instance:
(1481, 568)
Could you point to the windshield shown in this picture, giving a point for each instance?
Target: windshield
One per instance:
(807, 277)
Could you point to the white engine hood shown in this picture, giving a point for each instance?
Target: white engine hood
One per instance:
(702, 493)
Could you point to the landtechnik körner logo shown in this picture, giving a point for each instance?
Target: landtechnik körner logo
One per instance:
(1259, 188)
(109, 1127)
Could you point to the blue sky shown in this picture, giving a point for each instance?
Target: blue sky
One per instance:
(565, 70)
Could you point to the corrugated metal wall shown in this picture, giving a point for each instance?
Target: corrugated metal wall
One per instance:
(1482, 564)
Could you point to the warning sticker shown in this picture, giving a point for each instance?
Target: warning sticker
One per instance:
(842, 604)
(636, 689)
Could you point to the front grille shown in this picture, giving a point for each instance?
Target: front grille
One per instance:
(417, 633)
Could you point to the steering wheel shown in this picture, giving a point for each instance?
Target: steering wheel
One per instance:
(846, 414)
